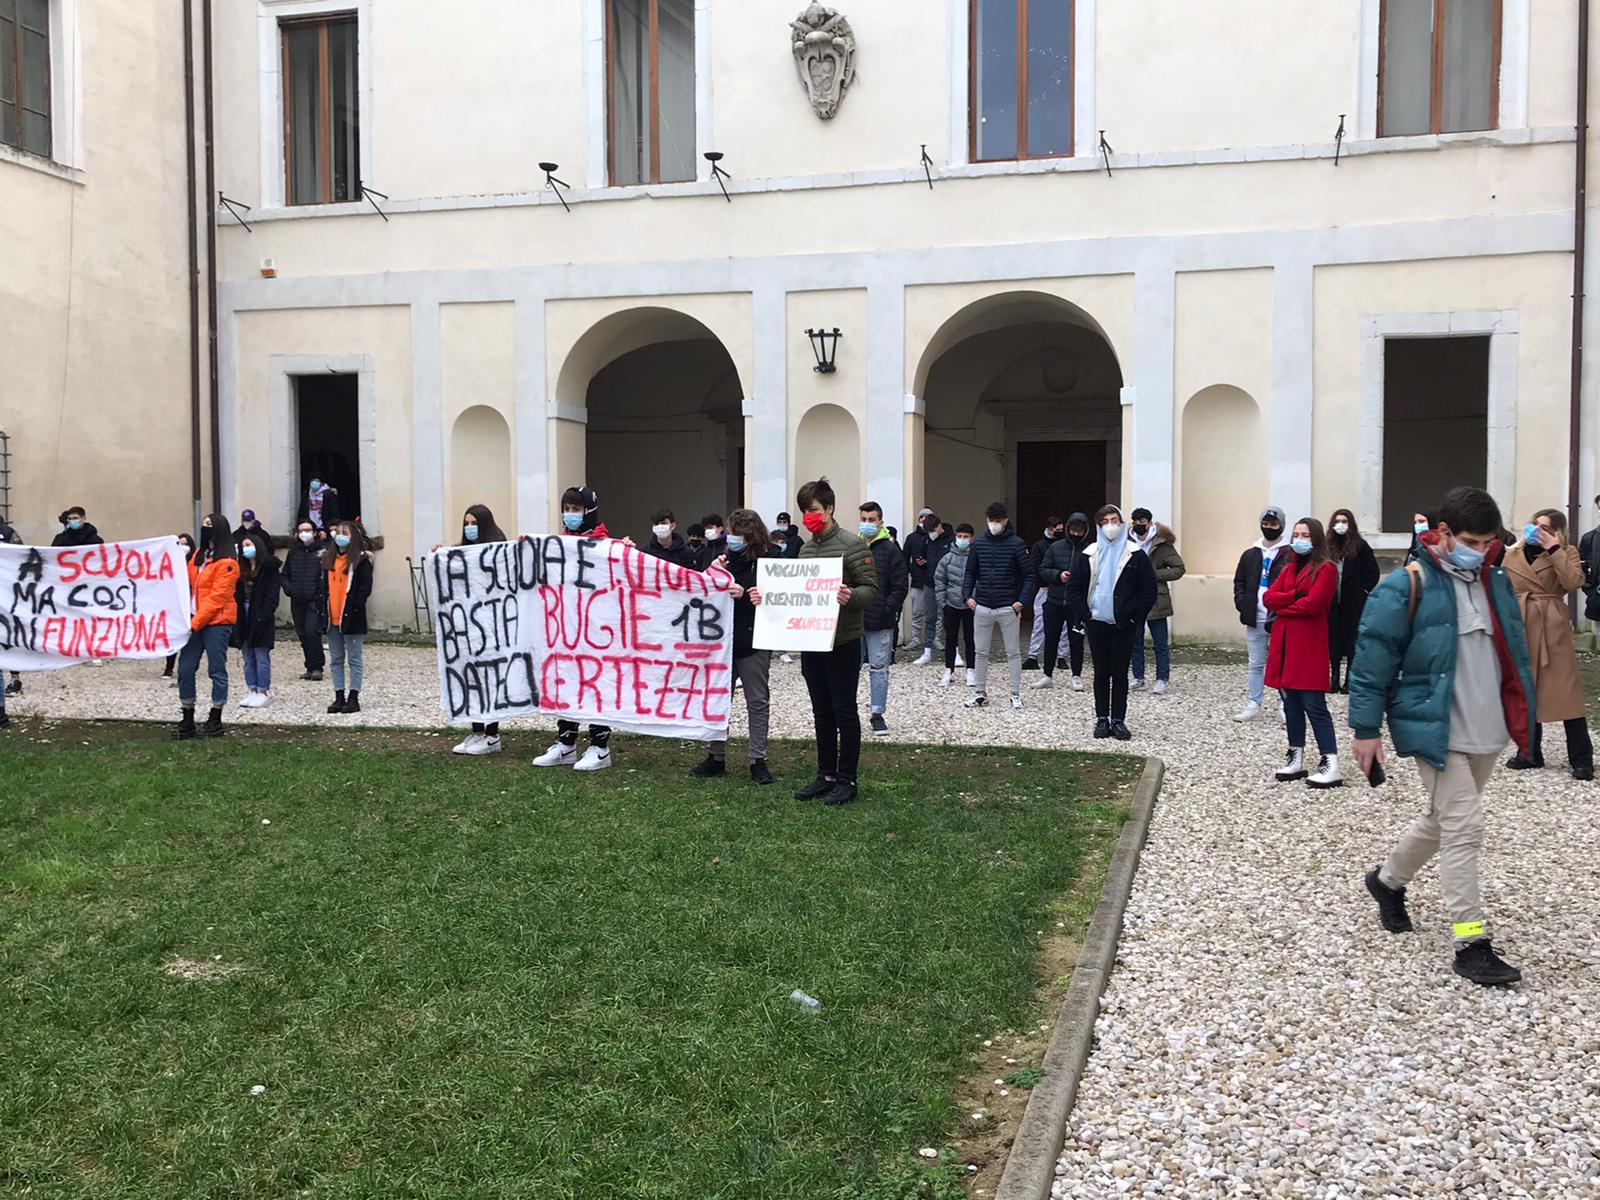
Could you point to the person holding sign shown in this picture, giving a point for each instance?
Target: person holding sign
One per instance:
(478, 528)
(349, 569)
(833, 676)
(214, 581)
(747, 543)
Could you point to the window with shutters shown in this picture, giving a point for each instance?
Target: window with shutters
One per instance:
(25, 76)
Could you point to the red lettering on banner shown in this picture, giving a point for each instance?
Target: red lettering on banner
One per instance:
(589, 669)
(590, 623)
(550, 692)
(706, 715)
(637, 621)
(67, 561)
(640, 686)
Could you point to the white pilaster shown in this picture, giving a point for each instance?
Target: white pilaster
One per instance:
(886, 371)
(533, 446)
(1290, 408)
(1154, 301)
(767, 405)
(427, 429)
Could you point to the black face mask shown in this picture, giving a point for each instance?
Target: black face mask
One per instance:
(1271, 532)
(1140, 530)
(1079, 536)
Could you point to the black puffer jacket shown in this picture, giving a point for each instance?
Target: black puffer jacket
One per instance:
(891, 567)
(999, 571)
(302, 576)
(1063, 554)
(257, 598)
(677, 553)
(742, 566)
(86, 535)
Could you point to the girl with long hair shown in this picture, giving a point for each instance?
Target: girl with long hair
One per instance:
(1358, 575)
(260, 588)
(1299, 600)
(213, 582)
(478, 528)
(747, 544)
(349, 568)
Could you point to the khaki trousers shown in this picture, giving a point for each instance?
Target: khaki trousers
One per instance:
(1452, 828)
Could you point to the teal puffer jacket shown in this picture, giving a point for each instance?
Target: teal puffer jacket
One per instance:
(1405, 667)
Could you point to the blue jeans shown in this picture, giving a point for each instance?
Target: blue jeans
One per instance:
(1297, 706)
(212, 641)
(344, 647)
(1257, 640)
(258, 668)
(1160, 640)
(877, 648)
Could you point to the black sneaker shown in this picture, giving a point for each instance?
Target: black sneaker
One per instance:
(820, 786)
(708, 768)
(315, 676)
(14, 688)
(841, 793)
(1102, 727)
(1521, 762)
(1391, 904)
(1031, 665)
(1478, 962)
(1583, 773)
(759, 772)
(4, 720)
(1120, 731)
(879, 725)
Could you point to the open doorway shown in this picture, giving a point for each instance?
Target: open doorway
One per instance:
(328, 426)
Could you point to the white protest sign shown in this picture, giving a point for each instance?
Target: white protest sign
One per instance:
(60, 605)
(799, 607)
(583, 629)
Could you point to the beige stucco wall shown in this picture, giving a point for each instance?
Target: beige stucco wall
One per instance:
(817, 446)
(477, 367)
(94, 300)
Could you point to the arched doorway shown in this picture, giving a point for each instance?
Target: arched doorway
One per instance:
(1022, 403)
(828, 443)
(480, 467)
(664, 406)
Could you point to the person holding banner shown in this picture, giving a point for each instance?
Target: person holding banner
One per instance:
(479, 528)
(256, 630)
(747, 543)
(10, 537)
(214, 583)
(349, 568)
(833, 676)
(187, 541)
(76, 530)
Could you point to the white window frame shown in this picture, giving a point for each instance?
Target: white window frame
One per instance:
(283, 437)
(1085, 133)
(1502, 328)
(268, 14)
(597, 133)
(66, 99)
(1514, 24)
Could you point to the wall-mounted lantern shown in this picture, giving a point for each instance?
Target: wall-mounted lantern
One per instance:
(825, 345)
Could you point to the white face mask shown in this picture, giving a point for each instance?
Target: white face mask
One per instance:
(995, 527)
(661, 531)
(1112, 530)
(307, 537)
(1341, 527)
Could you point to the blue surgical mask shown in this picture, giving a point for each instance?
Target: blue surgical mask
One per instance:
(1420, 528)
(74, 523)
(867, 529)
(735, 543)
(963, 542)
(1466, 557)
(315, 484)
(342, 540)
(1530, 534)
(470, 532)
(1301, 545)
(572, 521)
(248, 550)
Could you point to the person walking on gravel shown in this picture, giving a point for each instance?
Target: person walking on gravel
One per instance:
(1450, 618)
(1299, 599)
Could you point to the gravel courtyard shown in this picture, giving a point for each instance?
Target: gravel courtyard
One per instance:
(1262, 1036)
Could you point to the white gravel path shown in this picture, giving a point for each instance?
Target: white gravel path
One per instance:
(1261, 1036)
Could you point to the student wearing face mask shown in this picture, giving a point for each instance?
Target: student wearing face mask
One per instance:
(76, 529)
(1054, 529)
(1161, 545)
(187, 541)
(320, 507)
(695, 541)
(1254, 574)
(1451, 618)
(1589, 558)
(666, 542)
(479, 528)
(1545, 570)
(1111, 594)
(1300, 596)
(1061, 561)
(792, 540)
(213, 583)
(747, 545)
(1424, 520)
(255, 632)
(1000, 583)
(305, 582)
(948, 578)
(924, 548)
(1358, 575)
(880, 621)
(716, 541)
(349, 569)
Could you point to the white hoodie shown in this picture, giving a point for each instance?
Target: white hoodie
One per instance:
(1269, 552)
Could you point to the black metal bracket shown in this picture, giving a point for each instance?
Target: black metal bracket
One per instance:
(369, 193)
(1338, 141)
(714, 157)
(1106, 152)
(234, 209)
(554, 184)
(927, 165)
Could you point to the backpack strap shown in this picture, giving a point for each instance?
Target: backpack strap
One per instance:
(1416, 590)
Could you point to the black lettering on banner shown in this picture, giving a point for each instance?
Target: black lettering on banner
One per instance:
(707, 622)
(449, 569)
(32, 567)
(585, 565)
(39, 602)
(553, 553)
(487, 686)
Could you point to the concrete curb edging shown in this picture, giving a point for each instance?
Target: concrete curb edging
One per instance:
(1031, 1165)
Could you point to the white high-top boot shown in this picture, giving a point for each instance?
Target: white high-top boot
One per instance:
(1327, 773)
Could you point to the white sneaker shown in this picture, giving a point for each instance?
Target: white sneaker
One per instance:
(1327, 773)
(784, 658)
(1248, 713)
(594, 759)
(1044, 681)
(947, 679)
(483, 744)
(923, 659)
(253, 700)
(972, 676)
(466, 744)
(1136, 685)
(960, 662)
(1016, 702)
(1077, 683)
(262, 700)
(1160, 688)
(558, 755)
(978, 701)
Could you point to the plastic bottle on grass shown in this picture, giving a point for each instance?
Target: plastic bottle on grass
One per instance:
(809, 1003)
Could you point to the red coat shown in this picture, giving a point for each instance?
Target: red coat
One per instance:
(1297, 656)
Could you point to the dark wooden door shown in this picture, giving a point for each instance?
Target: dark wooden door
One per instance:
(1057, 479)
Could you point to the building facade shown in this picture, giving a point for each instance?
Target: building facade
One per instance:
(1199, 257)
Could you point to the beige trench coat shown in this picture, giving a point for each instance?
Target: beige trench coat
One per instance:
(1542, 589)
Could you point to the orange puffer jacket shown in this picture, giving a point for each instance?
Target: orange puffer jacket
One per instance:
(214, 586)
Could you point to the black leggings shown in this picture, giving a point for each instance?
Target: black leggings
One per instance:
(957, 620)
(1580, 750)
(1055, 619)
(492, 728)
(832, 677)
(1111, 647)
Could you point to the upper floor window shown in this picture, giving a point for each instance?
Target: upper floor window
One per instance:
(321, 117)
(650, 90)
(25, 75)
(1439, 66)
(1020, 79)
